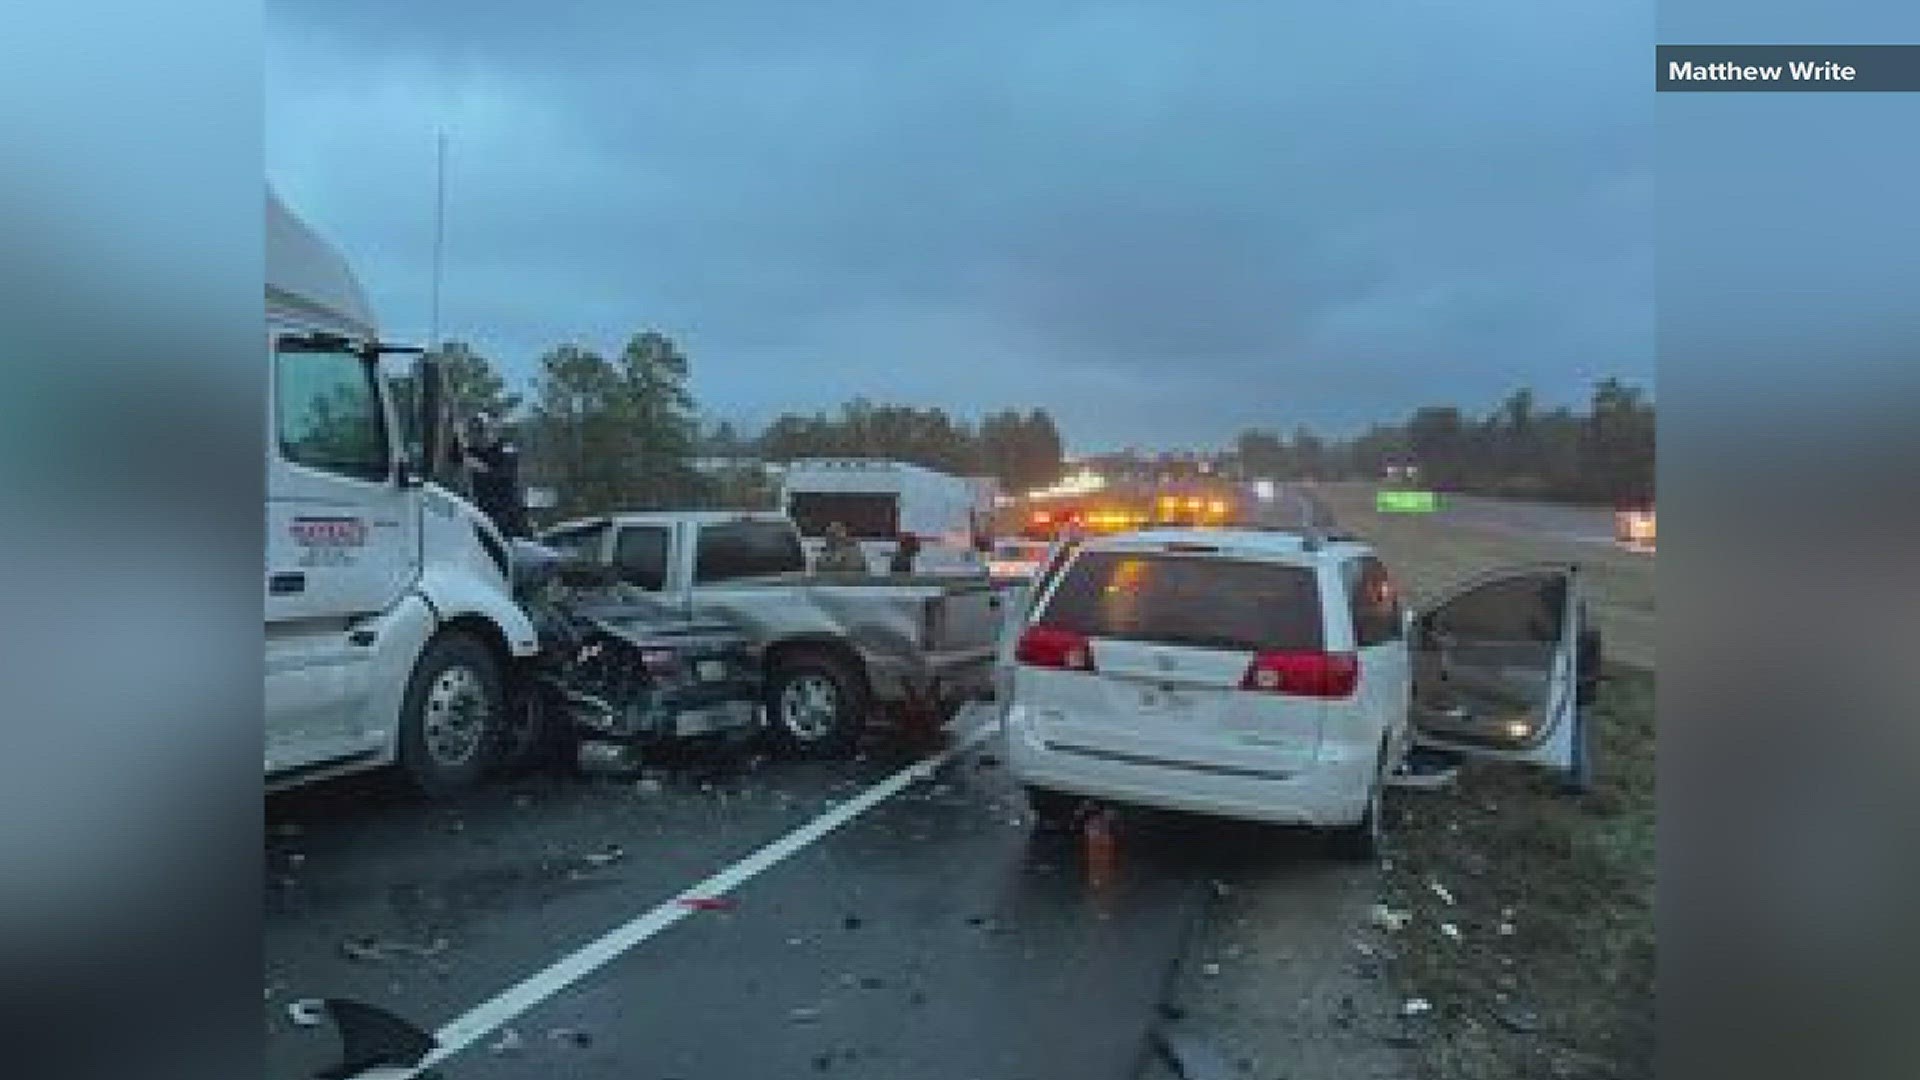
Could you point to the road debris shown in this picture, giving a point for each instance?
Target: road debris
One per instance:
(373, 1041)
(606, 857)
(851, 922)
(1387, 918)
(1440, 891)
(369, 950)
(1505, 929)
(1190, 1057)
(1210, 969)
(571, 1036)
(648, 786)
(508, 1041)
(803, 1015)
(1449, 931)
(712, 903)
(1514, 1018)
(1416, 1007)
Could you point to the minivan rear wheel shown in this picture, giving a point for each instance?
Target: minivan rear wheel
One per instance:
(1361, 841)
(1054, 812)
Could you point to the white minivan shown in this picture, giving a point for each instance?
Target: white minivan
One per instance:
(1273, 675)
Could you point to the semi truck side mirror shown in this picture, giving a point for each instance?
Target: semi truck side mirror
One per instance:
(408, 473)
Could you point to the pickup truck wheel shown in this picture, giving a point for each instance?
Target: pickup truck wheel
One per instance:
(449, 716)
(815, 704)
(1055, 813)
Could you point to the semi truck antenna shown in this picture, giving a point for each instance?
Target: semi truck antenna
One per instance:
(439, 232)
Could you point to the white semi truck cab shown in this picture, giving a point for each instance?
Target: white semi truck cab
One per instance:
(391, 629)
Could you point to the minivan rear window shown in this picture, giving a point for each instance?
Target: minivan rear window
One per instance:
(1184, 600)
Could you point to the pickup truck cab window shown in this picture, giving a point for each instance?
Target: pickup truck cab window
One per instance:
(580, 543)
(746, 549)
(640, 554)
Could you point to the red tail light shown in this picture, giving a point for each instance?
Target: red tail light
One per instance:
(1304, 673)
(1046, 647)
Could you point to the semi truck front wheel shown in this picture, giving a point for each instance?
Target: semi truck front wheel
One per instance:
(453, 706)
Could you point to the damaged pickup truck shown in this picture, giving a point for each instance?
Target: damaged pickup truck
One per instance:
(617, 674)
(836, 649)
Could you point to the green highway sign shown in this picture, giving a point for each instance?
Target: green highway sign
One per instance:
(1405, 502)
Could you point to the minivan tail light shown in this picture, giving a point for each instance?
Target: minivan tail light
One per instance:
(1048, 647)
(1303, 673)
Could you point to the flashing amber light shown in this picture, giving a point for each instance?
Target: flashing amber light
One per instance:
(1041, 517)
(1217, 507)
(1193, 504)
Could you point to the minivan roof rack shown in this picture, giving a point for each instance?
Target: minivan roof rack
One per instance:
(1312, 537)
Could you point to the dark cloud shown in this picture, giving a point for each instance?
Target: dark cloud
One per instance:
(1162, 221)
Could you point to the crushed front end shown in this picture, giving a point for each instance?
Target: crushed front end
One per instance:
(624, 673)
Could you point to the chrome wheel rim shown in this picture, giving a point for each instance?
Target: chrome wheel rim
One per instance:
(457, 715)
(810, 707)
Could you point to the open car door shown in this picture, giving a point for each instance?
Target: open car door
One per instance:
(1496, 668)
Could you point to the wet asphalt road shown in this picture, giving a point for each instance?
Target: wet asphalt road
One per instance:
(928, 937)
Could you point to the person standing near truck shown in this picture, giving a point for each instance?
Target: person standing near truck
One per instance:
(904, 554)
(494, 465)
(840, 555)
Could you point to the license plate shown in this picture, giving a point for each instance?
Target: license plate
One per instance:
(1161, 701)
(712, 670)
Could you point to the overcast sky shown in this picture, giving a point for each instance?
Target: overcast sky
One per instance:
(1162, 221)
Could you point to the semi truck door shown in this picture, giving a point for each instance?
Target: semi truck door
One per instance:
(342, 545)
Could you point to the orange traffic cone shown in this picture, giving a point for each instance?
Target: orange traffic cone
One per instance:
(1101, 851)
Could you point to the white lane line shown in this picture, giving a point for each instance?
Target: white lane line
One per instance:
(465, 1030)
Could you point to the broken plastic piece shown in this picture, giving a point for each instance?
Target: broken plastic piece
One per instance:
(1387, 918)
(370, 1038)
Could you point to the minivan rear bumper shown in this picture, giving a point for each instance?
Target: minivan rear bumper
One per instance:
(1332, 793)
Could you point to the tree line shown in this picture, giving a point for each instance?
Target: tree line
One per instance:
(1604, 453)
(623, 432)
